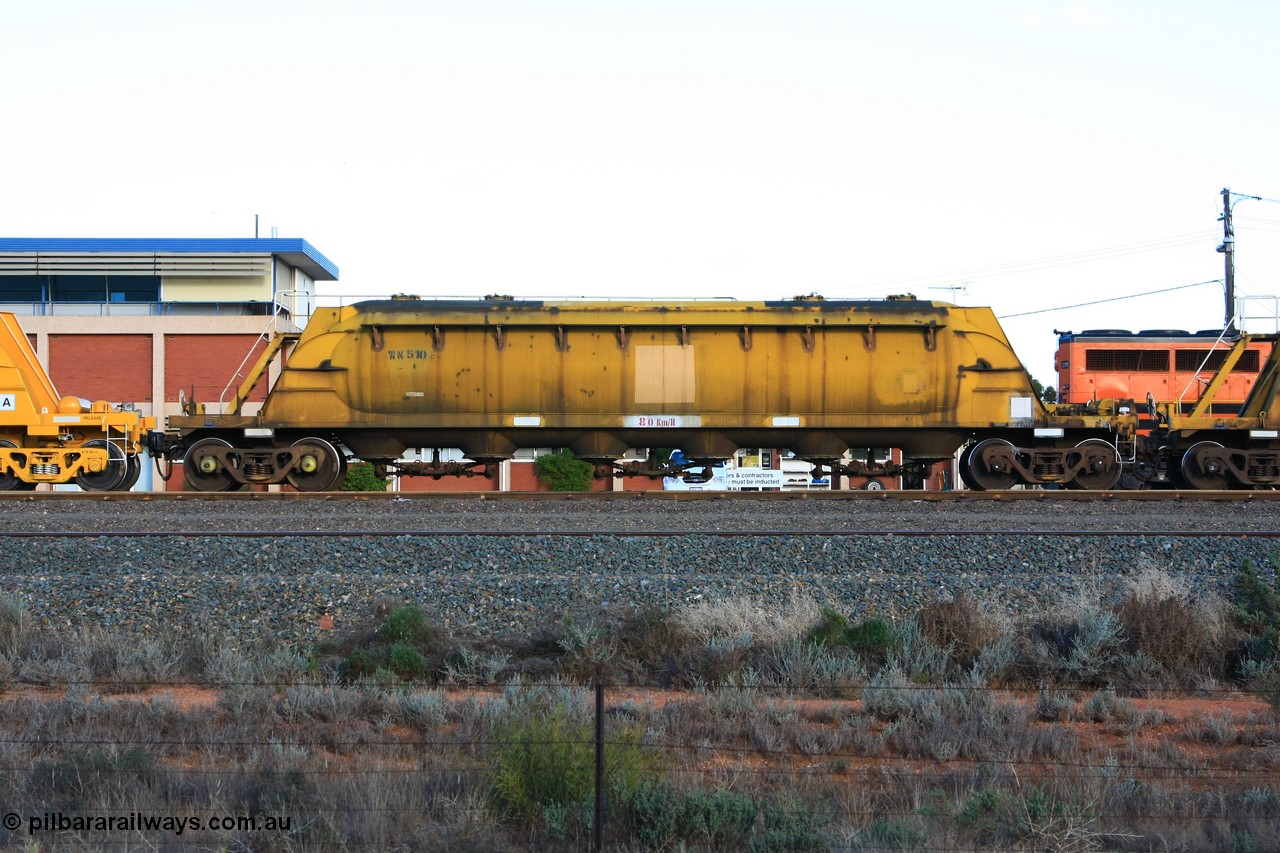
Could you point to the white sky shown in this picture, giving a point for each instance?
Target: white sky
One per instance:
(1041, 154)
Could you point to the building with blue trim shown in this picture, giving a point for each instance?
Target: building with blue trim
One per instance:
(44, 276)
(152, 321)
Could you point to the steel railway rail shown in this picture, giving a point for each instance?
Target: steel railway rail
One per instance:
(1067, 496)
(630, 534)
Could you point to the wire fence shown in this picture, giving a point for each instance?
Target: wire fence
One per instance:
(310, 763)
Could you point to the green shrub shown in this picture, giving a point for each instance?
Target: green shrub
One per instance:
(361, 477)
(544, 760)
(361, 663)
(1257, 609)
(894, 836)
(789, 826)
(981, 812)
(721, 819)
(404, 647)
(408, 624)
(406, 662)
(561, 472)
(654, 813)
(660, 816)
(831, 630)
(872, 636)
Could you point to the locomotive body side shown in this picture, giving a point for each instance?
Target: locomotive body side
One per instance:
(1171, 365)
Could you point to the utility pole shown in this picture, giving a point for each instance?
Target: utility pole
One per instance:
(1228, 250)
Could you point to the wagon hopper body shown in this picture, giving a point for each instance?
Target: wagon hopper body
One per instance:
(54, 439)
(490, 376)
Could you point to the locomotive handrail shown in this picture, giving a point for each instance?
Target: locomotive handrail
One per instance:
(1207, 396)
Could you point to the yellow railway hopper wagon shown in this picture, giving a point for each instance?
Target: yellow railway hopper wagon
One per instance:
(490, 376)
(48, 438)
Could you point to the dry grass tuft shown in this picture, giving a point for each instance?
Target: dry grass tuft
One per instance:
(959, 624)
(737, 619)
(1161, 621)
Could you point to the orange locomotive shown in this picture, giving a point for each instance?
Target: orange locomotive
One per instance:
(1172, 366)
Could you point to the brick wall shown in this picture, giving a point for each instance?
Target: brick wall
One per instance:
(448, 484)
(201, 366)
(116, 368)
(524, 478)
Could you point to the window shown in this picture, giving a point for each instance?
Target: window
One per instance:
(1188, 360)
(1127, 360)
(22, 288)
(133, 288)
(80, 288)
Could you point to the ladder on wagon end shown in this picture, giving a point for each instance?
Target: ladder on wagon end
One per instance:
(275, 341)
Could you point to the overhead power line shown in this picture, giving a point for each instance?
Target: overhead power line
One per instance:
(1070, 258)
(1112, 299)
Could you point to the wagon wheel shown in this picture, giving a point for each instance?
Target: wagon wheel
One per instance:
(962, 467)
(1199, 471)
(12, 482)
(204, 470)
(1102, 473)
(989, 466)
(133, 470)
(111, 476)
(320, 466)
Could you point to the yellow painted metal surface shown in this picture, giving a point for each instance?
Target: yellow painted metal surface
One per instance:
(45, 438)
(803, 374)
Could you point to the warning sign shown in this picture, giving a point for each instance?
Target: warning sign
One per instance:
(753, 478)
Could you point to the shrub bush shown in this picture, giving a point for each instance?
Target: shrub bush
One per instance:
(543, 760)
(960, 625)
(873, 636)
(1166, 628)
(361, 477)
(831, 630)
(408, 624)
(789, 826)
(561, 472)
(404, 646)
(721, 819)
(406, 662)
(1257, 610)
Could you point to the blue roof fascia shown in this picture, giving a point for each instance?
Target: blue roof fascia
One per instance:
(296, 251)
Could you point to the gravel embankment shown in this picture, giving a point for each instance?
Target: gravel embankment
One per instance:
(487, 585)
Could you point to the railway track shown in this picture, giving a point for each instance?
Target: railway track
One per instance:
(641, 515)
(246, 563)
(1065, 495)
(632, 534)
